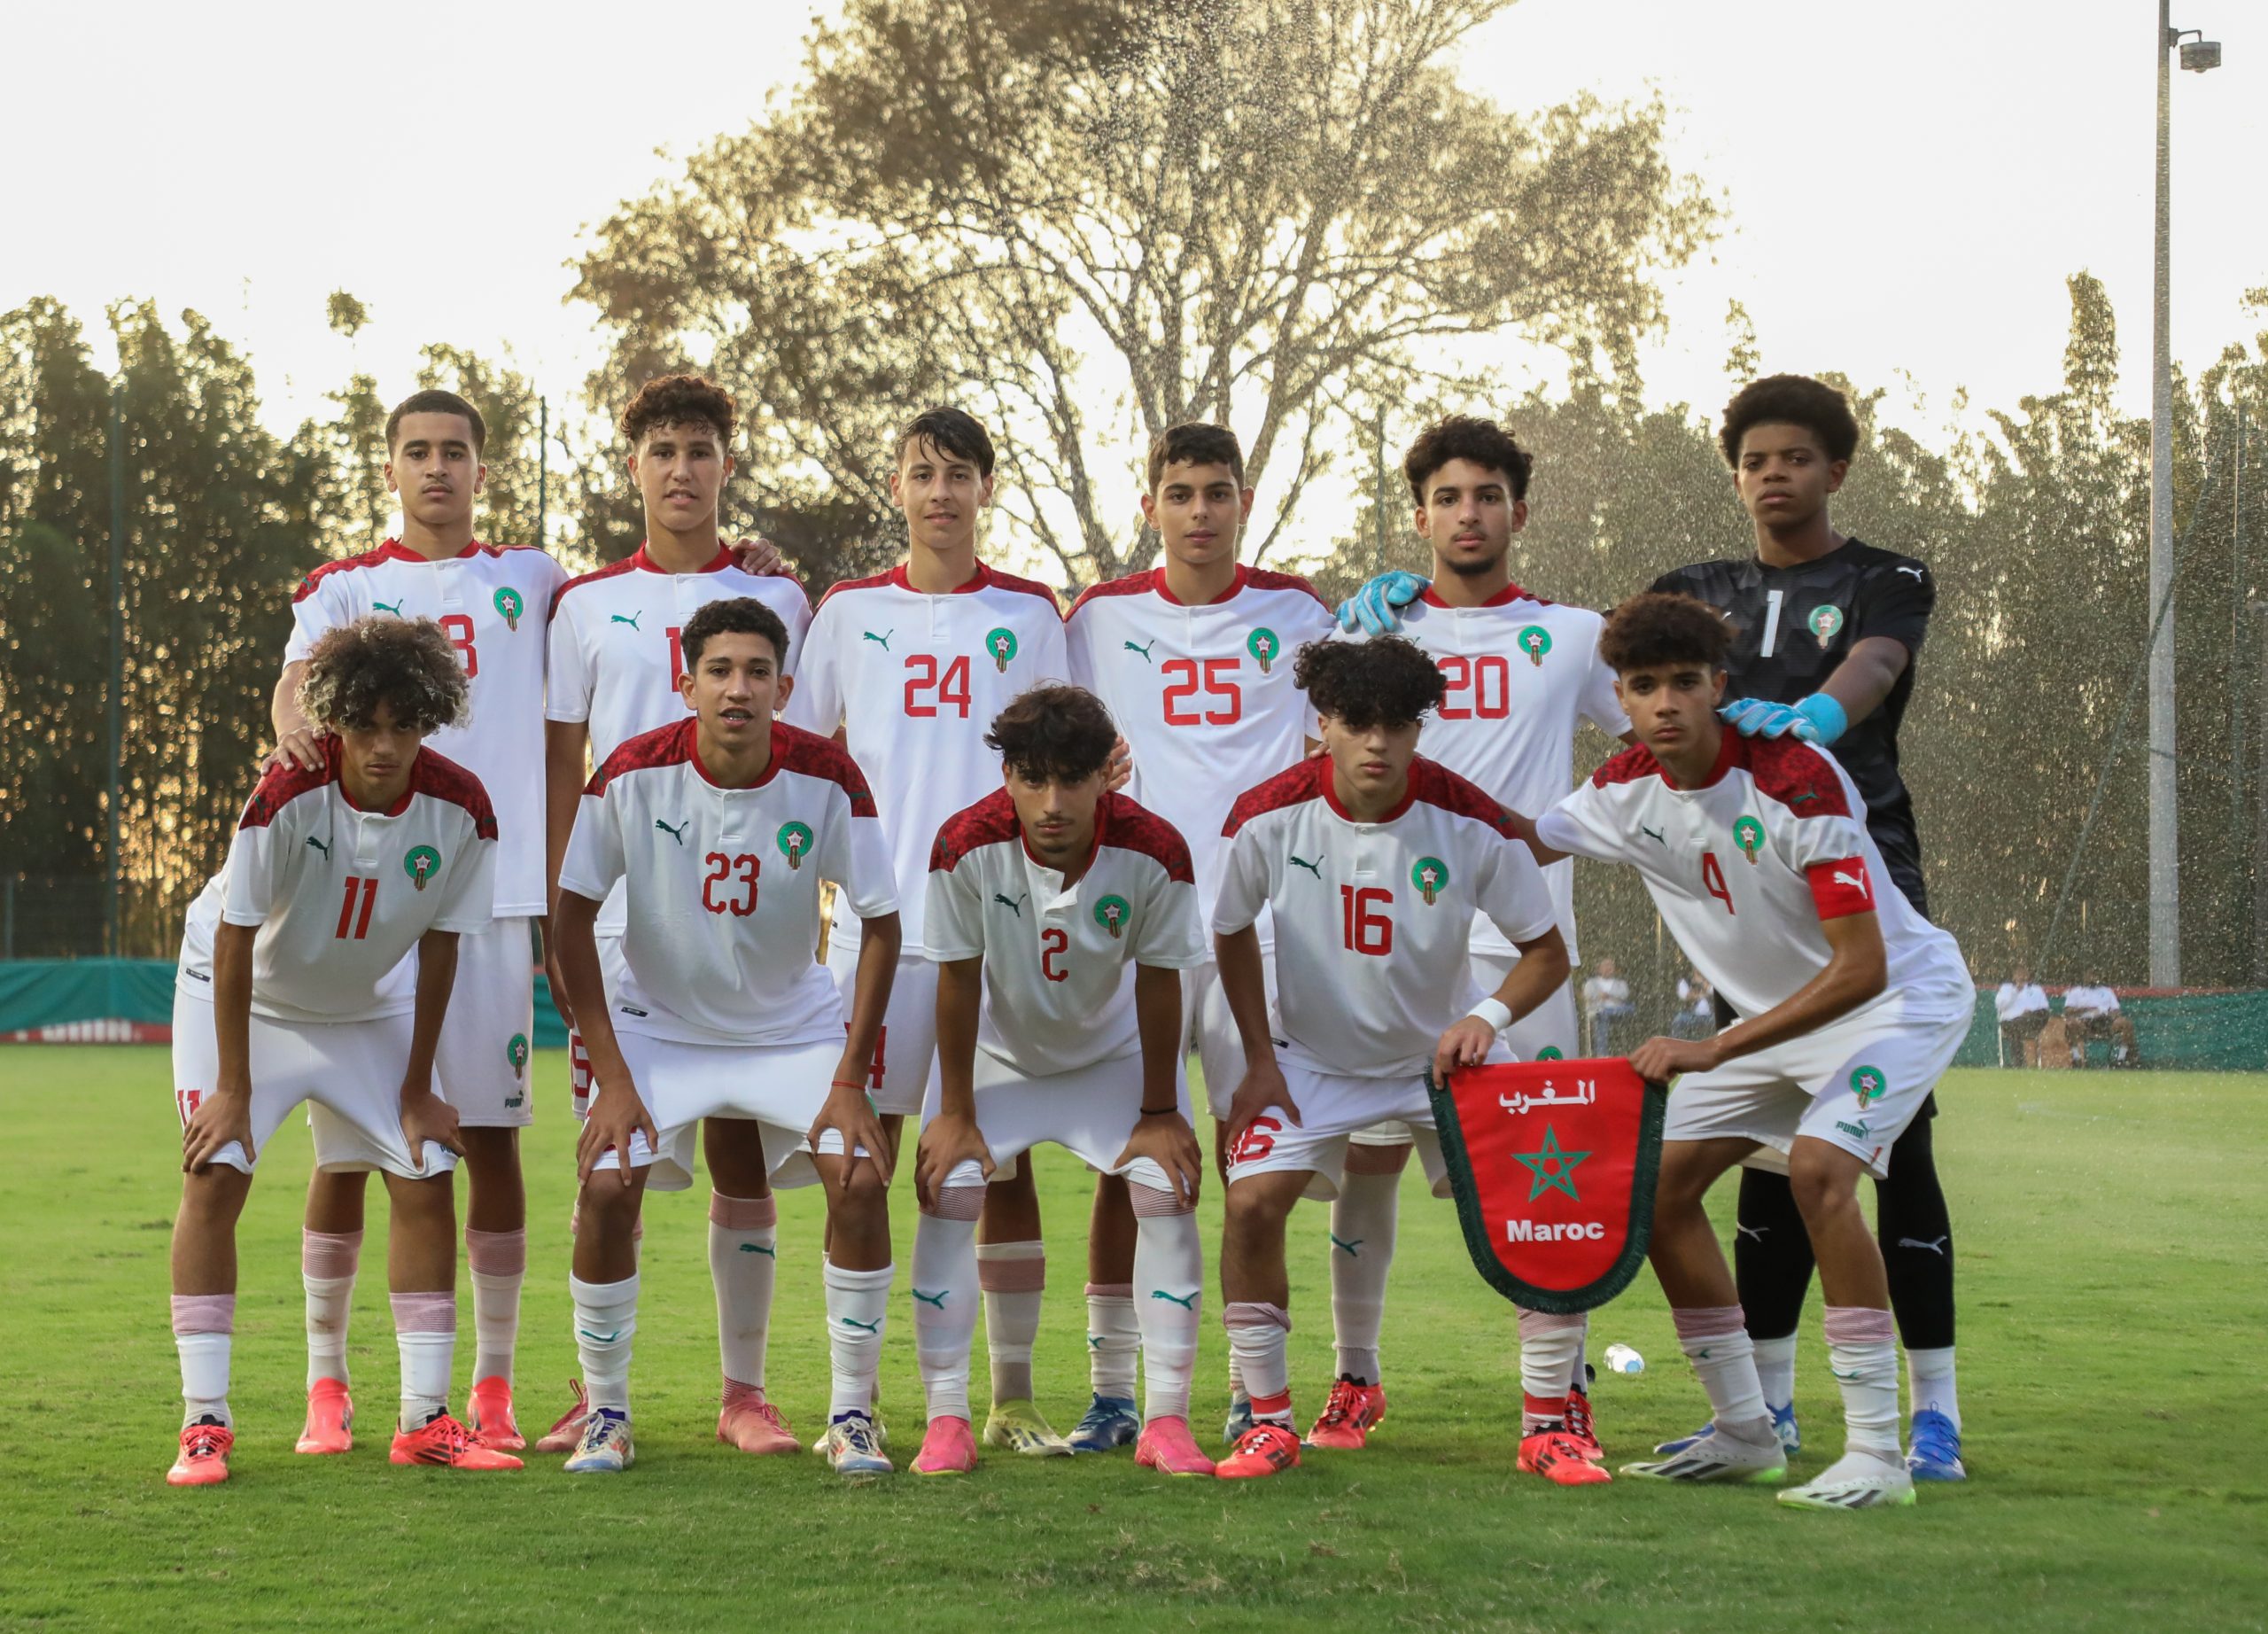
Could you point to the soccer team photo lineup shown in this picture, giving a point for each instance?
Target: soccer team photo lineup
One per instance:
(1197, 877)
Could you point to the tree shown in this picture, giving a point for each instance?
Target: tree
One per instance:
(1088, 221)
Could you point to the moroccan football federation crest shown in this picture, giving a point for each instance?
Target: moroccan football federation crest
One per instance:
(1111, 914)
(508, 603)
(1535, 640)
(795, 840)
(1868, 1084)
(1002, 645)
(1748, 834)
(421, 863)
(1553, 1165)
(1551, 1052)
(1263, 644)
(1825, 620)
(1431, 876)
(516, 1053)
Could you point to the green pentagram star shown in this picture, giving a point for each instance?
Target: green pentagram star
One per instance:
(1554, 1169)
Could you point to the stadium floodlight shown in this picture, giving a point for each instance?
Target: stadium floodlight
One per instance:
(2199, 55)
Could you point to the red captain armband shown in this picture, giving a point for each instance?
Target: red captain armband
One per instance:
(1839, 889)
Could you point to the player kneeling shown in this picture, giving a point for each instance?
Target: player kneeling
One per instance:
(1374, 862)
(1756, 852)
(720, 828)
(1061, 919)
(292, 988)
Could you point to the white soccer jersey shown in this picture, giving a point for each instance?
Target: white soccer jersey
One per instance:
(1058, 962)
(1522, 673)
(1744, 867)
(614, 649)
(1374, 920)
(722, 885)
(1203, 696)
(341, 895)
(915, 681)
(493, 601)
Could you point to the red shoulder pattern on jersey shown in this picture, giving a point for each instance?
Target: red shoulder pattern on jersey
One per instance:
(1434, 784)
(280, 785)
(1290, 787)
(1796, 774)
(1128, 827)
(990, 821)
(795, 750)
(1268, 579)
(1634, 765)
(386, 552)
(669, 745)
(438, 775)
(612, 570)
(1132, 584)
(869, 582)
(994, 578)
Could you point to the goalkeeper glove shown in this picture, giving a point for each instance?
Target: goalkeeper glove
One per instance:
(1371, 610)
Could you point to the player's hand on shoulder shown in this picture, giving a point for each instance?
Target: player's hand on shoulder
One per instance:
(223, 1116)
(299, 747)
(1758, 717)
(1119, 769)
(1658, 1059)
(850, 1110)
(1374, 610)
(1262, 1091)
(1167, 1140)
(427, 1117)
(616, 1115)
(948, 1140)
(1466, 1044)
(758, 557)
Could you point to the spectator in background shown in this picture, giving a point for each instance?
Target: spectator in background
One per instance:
(2091, 1011)
(1606, 1001)
(2021, 1006)
(1696, 1015)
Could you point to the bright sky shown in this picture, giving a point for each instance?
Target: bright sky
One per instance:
(1909, 183)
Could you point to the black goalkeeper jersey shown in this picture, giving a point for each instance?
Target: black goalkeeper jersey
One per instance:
(1794, 625)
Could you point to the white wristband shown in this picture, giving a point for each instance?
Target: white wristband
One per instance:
(1495, 1012)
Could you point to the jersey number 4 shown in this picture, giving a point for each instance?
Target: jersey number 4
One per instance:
(949, 689)
(1224, 698)
(1712, 879)
(730, 885)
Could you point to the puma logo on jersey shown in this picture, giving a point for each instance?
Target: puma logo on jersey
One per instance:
(1651, 834)
(1186, 1302)
(881, 640)
(1936, 1245)
(1856, 882)
(1314, 867)
(1807, 794)
(936, 1299)
(320, 846)
(1145, 651)
(678, 833)
(394, 608)
(631, 620)
(1914, 571)
(1016, 906)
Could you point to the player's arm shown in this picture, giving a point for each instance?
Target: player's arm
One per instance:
(225, 1112)
(295, 735)
(616, 1113)
(1866, 675)
(953, 1138)
(1858, 968)
(1243, 983)
(1162, 1134)
(848, 1106)
(424, 1115)
(565, 746)
(1524, 830)
(1541, 972)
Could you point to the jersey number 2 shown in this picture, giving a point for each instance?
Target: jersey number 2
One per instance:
(1713, 880)
(722, 872)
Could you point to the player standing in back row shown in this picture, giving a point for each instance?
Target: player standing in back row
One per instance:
(910, 666)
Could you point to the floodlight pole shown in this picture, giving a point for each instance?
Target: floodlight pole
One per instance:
(2165, 824)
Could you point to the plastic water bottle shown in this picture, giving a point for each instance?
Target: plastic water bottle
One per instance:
(1621, 1359)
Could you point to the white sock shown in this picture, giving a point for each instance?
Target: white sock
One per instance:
(425, 1331)
(328, 1261)
(946, 1298)
(606, 1325)
(1169, 1299)
(1114, 1338)
(1775, 1370)
(743, 1259)
(1014, 1275)
(1716, 1341)
(858, 1305)
(1549, 1345)
(1930, 1383)
(499, 1262)
(1363, 1222)
(1863, 1352)
(1578, 1375)
(1260, 1335)
(203, 1326)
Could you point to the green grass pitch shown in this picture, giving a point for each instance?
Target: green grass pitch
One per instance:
(2112, 1308)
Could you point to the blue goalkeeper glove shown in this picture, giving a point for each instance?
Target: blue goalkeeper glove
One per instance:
(1371, 610)
(1817, 720)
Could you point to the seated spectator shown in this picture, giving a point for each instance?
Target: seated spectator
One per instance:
(2091, 1011)
(2021, 1007)
(1696, 1015)
(1606, 1001)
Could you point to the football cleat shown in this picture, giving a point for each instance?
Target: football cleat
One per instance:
(1559, 1458)
(442, 1440)
(874, 1418)
(748, 1421)
(1016, 1426)
(1855, 1480)
(1349, 1416)
(1718, 1458)
(1112, 1421)
(1239, 1421)
(947, 1449)
(1268, 1448)
(1168, 1447)
(604, 1448)
(851, 1449)
(566, 1431)
(1936, 1453)
(331, 1419)
(1580, 1428)
(204, 1458)
(488, 1414)
(1784, 1426)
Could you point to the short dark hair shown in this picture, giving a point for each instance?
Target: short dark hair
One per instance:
(1386, 680)
(1790, 399)
(1053, 733)
(1465, 437)
(408, 665)
(1661, 628)
(679, 400)
(434, 400)
(1194, 442)
(737, 615)
(955, 430)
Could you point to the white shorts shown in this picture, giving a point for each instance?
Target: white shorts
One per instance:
(778, 1086)
(349, 1073)
(487, 1036)
(1089, 1111)
(1212, 1030)
(908, 1043)
(1332, 1109)
(1548, 1032)
(612, 966)
(1855, 1083)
